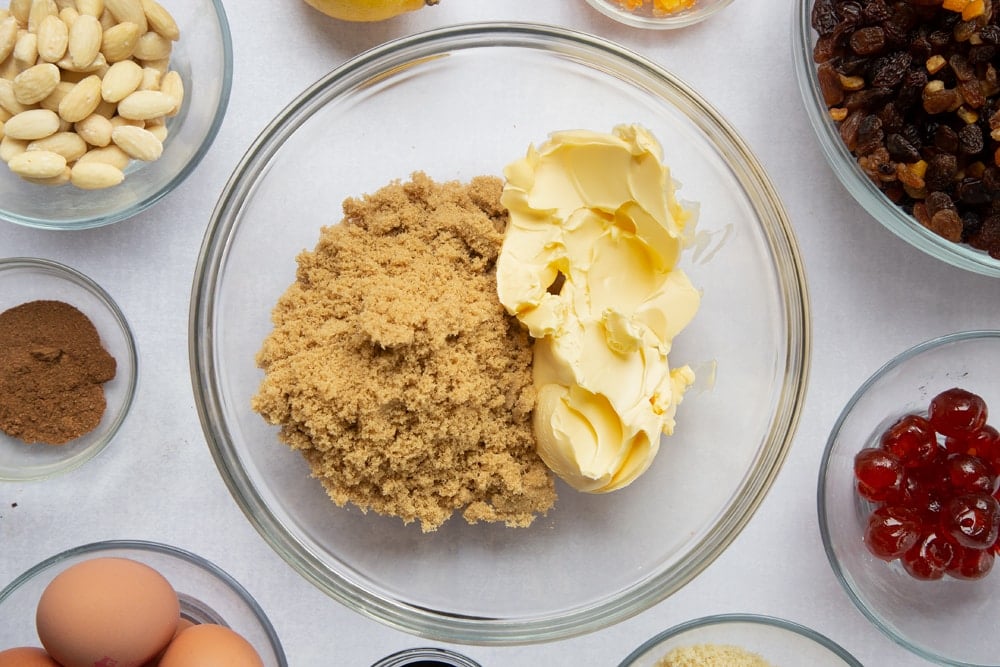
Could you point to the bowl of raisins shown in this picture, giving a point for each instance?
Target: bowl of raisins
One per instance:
(908, 499)
(904, 98)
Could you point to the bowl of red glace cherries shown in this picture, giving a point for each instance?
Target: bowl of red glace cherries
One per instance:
(908, 499)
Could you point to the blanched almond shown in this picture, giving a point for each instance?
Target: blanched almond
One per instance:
(95, 175)
(152, 46)
(8, 100)
(55, 97)
(39, 10)
(158, 131)
(68, 144)
(2, 132)
(173, 85)
(93, 7)
(140, 144)
(26, 50)
(69, 16)
(32, 124)
(20, 9)
(110, 154)
(128, 10)
(121, 80)
(61, 178)
(82, 100)
(160, 20)
(145, 104)
(9, 147)
(150, 79)
(8, 36)
(37, 164)
(119, 41)
(84, 41)
(95, 129)
(53, 38)
(36, 83)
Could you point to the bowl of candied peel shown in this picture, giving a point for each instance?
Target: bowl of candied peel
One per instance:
(659, 14)
(908, 498)
(904, 99)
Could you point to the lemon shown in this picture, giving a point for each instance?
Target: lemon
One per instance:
(367, 10)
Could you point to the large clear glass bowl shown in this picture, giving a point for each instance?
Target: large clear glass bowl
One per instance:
(203, 56)
(948, 621)
(458, 102)
(845, 166)
(207, 593)
(776, 640)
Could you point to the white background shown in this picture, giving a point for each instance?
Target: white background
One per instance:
(872, 296)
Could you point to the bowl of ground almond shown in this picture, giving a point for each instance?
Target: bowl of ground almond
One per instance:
(905, 101)
(739, 640)
(447, 367)
(106, 107)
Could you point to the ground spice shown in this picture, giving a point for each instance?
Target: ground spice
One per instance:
(52, 371)
(394, 369)
(711, 655)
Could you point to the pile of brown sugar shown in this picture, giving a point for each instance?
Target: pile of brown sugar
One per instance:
(394, 369)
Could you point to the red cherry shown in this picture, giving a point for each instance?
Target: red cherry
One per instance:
(971, 563)
(984, 443)
(955, 412)
(891, 531)
(879, 475)
(973, 519)
(930, 557)
(969, 474)
(911, 438)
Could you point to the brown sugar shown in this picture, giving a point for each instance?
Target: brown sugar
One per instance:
(394, 369)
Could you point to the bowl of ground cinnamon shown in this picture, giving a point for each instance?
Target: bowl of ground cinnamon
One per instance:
(68, 368)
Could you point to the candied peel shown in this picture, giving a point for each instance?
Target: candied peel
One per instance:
(660, 7)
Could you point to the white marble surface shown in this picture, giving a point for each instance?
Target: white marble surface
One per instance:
(872, 296)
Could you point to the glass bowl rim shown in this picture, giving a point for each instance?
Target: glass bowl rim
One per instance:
(442, 655)
(87, 283)
(158, 548)
(821, 505)
(168, 186)
(409, 617)
(758, 619)
(844, 165)
(683, 19)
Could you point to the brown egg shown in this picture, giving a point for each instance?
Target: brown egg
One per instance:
(107, 611)
(182, 624)
(26, 657)
(209, 645)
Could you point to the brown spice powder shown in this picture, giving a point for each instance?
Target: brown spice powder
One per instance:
(394, 369)
(52, 370)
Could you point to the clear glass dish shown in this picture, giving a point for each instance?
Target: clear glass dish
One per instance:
(645, 17)
(949, 621)
(845, 166)
(426, 657)
(207, 593)
(777, 641)
(204, 58)
(24, 279)
(750, 342)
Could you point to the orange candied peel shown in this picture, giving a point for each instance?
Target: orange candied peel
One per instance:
(660, 7)
(969, 9)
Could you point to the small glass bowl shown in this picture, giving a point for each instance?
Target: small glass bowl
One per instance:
(845, 165)
(645, 17)
(949, 621)
(426, 657)
(207, 593)
(485, 583)
(25, 279)
(203, 56)
(777, 641)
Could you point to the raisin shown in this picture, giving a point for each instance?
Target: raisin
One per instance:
(938, 201)
(867, 41)
(972, 191)
(887, 71)
(900, 149)
(972, 92)
(961, 67)
(970, 139)
(981, 54)
(824, 18)
(988, 237)
(990, 34)
(946, 139)
(875, 11)
(941, 170)
(829, 84)
(867, 98)
(870, 135)
(948, 224)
